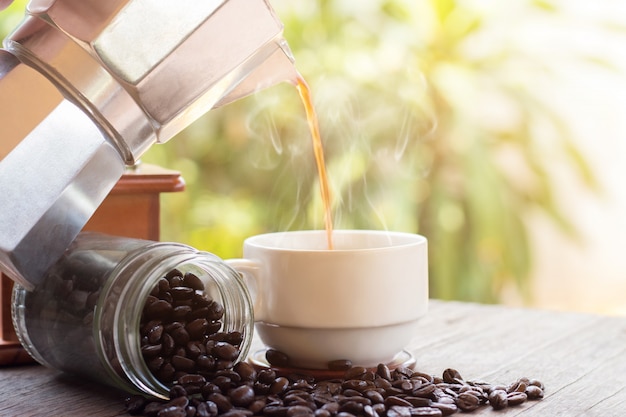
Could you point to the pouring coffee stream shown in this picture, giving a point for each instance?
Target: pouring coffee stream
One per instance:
(87, 87)
(318, 149)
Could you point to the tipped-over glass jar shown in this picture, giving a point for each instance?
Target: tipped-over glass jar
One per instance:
(136, 314)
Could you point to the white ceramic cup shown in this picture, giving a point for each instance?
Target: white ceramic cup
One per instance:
(360, 301)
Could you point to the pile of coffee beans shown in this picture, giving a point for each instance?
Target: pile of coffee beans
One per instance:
(243, 392)
(180, 331)
(184, 348)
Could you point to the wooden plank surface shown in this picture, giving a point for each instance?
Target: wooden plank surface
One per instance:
(580, 358)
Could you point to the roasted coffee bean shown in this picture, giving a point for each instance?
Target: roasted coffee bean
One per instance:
(369, 411)
(135, 404)
(517, 386)
(154, 333)
(221, 401)
(402, 372)
(278, 386)
(158, 309)
(498, 399)
(447, 399)
(180, 335)
(172, 412)
(299, 410)
(192, 281)
(424, 391)
(356, 385)
(452, 376)
(173, 273)
(257, 405)
(225, 351)
(320, 412)
(166, 373)
(180, 401)
(241, 396)
(266, 376)
(181, 312)
(375, 396)
(206, 409)
(277, 358)
(177, 391)
(181, 363)
(379, 409)
(396, 401)
(536, 383)
(399, 411)
(467, 401)
(246, 371)
(176, 281)
(516, 398)
(446, 409)
(150, 351)
(223, 364)
(182, 293)
(418, 401)
(163, 286)
(275, 411)
(340, 365)
(168, 343)
(352, 407)
(195, 349)
(193, 379)
(197, 328)
(356, 399)
(229, 374)
(534, 392)
(404, 385)
(355, 372)
(351, 393)
(215, 311)
(383, 371)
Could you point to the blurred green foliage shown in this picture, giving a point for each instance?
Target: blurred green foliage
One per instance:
(431, 119)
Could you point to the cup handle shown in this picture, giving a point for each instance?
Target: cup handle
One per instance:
(251, 274)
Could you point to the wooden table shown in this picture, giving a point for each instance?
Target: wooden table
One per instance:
(581, 359)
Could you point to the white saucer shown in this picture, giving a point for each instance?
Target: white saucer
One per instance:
(257, 359)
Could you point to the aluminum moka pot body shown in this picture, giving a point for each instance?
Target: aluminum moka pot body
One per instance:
(87, 86)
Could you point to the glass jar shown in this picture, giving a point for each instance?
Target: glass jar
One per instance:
(112, 309)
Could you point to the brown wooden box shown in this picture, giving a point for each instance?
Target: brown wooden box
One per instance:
(131, 209)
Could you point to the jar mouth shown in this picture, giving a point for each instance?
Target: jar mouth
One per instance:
(221, 284)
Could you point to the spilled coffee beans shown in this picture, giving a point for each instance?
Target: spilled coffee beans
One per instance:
(243, 391)
(183, 346)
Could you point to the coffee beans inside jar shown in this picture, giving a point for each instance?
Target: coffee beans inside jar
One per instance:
(181, 335)
(135, 314)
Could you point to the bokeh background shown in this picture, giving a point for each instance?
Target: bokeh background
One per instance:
(496, 129)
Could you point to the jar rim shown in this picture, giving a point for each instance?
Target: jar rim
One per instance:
(127, 313)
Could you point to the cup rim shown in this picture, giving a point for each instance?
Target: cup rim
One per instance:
(396, 240)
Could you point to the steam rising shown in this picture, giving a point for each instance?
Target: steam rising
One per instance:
(372, 148)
